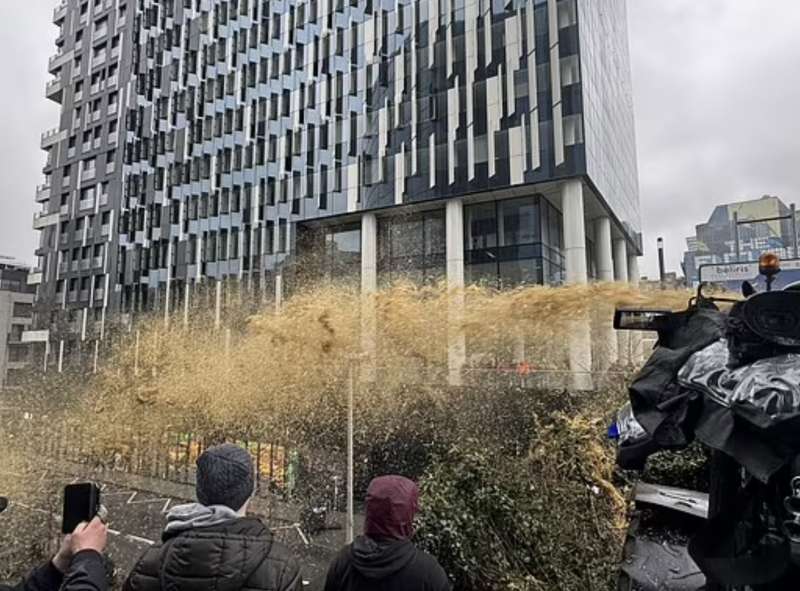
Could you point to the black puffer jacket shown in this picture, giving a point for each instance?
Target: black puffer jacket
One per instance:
(386, 565)
(238, 555)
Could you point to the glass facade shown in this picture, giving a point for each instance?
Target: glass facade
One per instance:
(513, 242)
(208, 133)
(412, 248)
(610, 137)
(328, 252)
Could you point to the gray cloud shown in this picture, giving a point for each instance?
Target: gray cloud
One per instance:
(26, 39)
(716, 93)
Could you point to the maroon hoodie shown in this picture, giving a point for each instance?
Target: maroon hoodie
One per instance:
(384, 558)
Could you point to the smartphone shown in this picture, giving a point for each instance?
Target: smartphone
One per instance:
(81, 502)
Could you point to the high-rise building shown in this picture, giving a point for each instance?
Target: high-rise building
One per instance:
(764, 224)
(229, 140)
(16, 316)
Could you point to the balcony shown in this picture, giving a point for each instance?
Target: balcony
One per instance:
(86, 264)
(111, 82)
(89, 174)
(35, 336)
(97, 262)
(103, 199)
(112, 109)
(112, 138)
(59, 59)
(110, 167)
(42, 220)
(99, 59)
(52, 137)
(35, 277)
(60, 13)
(86, 204)
(64, 210)
(55, 90)
(63, 267)
(65, 181)
(105, 230)
(99, 294)
(43, 193)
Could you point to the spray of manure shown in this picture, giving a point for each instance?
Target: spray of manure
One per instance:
(283, 378)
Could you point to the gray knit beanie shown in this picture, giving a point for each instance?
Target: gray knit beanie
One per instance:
(225, 476)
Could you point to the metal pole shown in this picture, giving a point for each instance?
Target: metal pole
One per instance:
(661, 266)
(278, 292)
(218, 317)
(794, 230)
(350, 460)
(736, 235)
(136, 356)
(96, 355)
(61, 356)
(186, 301)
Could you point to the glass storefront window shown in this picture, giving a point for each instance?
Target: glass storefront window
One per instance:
(343, 250)
(513, 242)
(481, 226)
(519, 219)
(412, 248)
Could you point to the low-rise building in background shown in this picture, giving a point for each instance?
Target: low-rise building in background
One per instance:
(715, 241)
(16, 314)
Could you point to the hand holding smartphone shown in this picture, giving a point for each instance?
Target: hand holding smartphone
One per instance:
(81, 504)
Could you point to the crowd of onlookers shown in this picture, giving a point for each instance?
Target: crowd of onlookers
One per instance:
(213, 545)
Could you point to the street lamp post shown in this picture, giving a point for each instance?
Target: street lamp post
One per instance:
(661, 268)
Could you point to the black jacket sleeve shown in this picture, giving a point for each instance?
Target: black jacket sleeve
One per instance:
(86, 573)
(291, 580)
(45, 578)
(335, 579)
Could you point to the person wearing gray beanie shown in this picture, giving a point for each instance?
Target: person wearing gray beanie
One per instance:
(225, 476)
(214, 539)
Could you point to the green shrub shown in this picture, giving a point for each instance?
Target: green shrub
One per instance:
(548, 520)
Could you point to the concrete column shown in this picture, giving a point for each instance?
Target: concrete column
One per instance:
(604, 256)
(574, 232)
(633, 270)
(636, 345)
(605, 347)
(621, 275)
(369, 285)
(621, 260)
(580, 332)
(454, 231)
(456, 341)
(369, 253)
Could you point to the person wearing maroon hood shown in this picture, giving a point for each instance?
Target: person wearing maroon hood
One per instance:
(384, 558)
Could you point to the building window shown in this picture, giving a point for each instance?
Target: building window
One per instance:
(513, 242)
(412, 248)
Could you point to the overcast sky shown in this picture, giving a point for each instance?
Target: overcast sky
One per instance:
(717, 91)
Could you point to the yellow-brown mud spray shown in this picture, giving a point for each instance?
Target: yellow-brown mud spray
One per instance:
(292, 364)
(283, 378)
